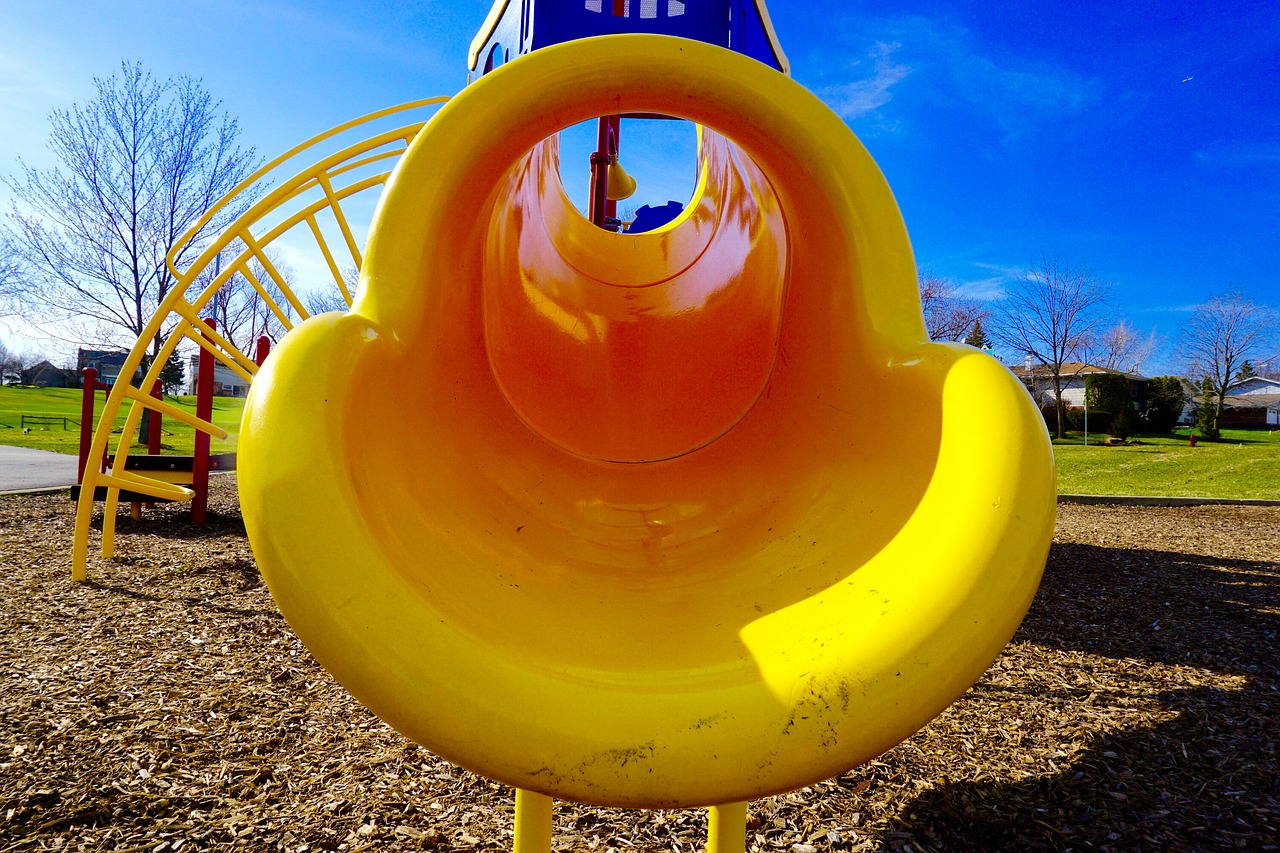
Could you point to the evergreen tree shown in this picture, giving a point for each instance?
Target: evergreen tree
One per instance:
(978, 337)
(1207, 412)
(172, 376)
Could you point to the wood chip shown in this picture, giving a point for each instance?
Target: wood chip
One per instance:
(167, 706)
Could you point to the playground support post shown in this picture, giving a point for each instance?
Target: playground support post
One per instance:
(262, 351)
(726, 825)
(533, 822)
(608, 133)
(204, 411)
(154, 421)
(90, 385)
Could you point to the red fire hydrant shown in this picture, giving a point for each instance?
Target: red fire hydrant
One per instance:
(1193, 439)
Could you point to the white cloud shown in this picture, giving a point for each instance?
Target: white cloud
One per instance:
(982, 289)
(860, 97)
(949, 69)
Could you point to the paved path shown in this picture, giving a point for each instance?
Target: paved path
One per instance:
(23, 469)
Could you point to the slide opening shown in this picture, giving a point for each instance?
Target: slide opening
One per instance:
(660, 153)
(635, 347)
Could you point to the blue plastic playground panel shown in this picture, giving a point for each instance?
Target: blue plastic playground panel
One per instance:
(649, 217)
(527, 25)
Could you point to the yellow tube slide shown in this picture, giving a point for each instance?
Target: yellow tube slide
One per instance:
(667, 519)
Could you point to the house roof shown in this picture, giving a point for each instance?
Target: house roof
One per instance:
(1071, 369)
(1246, 401)
(1258, 385)
(103, 357)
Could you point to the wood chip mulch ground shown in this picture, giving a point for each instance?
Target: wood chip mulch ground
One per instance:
(166, 706)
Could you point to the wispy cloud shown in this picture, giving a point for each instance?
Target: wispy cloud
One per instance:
(992, 286)
(943, 66)
(1173, 309)
(1239, 155)
(982, 289)
(857, 98)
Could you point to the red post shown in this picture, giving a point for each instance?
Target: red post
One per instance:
(615, 149)
(263, 350)
(607, 131)
(90, 386)
(204, 411)
(153, 422)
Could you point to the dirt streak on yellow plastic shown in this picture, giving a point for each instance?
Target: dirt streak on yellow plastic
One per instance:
(672, 519)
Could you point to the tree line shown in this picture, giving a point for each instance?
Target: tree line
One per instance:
(1058, 311)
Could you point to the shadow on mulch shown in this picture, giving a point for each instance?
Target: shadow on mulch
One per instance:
(237, 573)
(1209, 779)
(171, 521)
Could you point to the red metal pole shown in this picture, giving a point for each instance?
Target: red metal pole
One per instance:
(607, 130)
(89, 378)
(600, 173)
(204, 411)
(153, 421)
(615, 127)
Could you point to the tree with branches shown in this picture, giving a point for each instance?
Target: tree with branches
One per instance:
(947, 315)
(139, 162)
(12, 363)
(10, 277)
(1051, 313)
(1121, 347)
(1221, 336)
(978, 338)
(242, 313)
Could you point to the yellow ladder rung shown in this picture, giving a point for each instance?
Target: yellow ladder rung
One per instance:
(145, 485)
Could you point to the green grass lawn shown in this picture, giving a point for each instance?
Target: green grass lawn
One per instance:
(177, 438)
(1244, 464)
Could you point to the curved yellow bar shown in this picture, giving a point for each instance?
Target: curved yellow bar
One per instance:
(668, 519)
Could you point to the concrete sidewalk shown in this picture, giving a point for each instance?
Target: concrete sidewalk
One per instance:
(24, 470)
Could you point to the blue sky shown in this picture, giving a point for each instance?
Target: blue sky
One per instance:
(1139, 138)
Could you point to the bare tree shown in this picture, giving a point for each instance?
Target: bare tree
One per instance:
(11, 363)
(947, 316)
(1050, 314)
(1121, 347)
(1220, 337)
(139, 163)
(242, 313)
(10, 277)
(330, 298)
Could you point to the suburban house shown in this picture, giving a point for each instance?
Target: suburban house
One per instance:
(1038, 379)
(106, 362)
(226, 382)
(1252, 402)
(45, 375)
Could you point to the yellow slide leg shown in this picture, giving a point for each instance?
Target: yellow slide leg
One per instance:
(727, 828)
(533, 822)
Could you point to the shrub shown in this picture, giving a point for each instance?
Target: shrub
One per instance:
(1109, 393)
(1165, 401)
(1206, 421)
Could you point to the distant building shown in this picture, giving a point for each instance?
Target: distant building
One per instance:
(45, 375)
(1252, 402)
(1038, 378)
(226, 382)
(106, 362)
